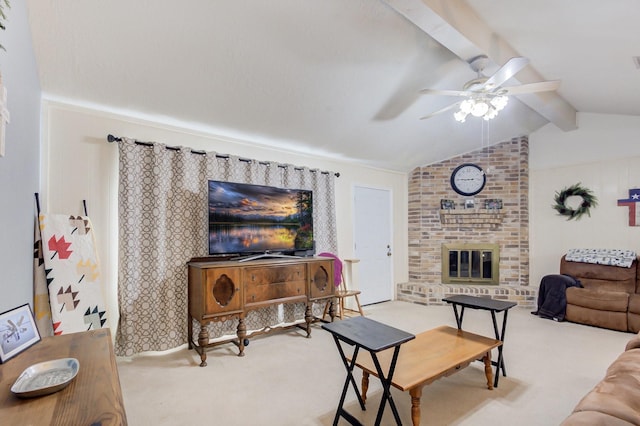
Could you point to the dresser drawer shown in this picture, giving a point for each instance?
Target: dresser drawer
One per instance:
(274, 282)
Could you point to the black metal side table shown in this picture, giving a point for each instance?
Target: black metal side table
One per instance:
(486, 304)
(374, 337)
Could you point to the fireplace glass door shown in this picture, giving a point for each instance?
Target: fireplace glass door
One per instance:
(470, 263)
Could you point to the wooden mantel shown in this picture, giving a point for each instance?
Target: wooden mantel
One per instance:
(471, 217)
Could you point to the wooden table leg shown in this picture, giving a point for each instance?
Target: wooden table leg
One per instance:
(308, 318)
(241, 332)
(488, 370)
(332, 309)
(203, 340)
(416, 394)
(365, 386)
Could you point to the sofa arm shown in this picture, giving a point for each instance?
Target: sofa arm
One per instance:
(593, 418)
(634, 343)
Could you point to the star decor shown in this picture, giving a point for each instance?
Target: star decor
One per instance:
(631, 202)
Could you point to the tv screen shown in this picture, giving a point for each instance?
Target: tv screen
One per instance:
(253, 219)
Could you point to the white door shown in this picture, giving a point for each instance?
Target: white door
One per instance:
(372, 239)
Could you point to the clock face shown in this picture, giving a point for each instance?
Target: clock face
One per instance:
(468, 179)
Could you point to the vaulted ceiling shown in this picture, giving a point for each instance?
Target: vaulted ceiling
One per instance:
(338, 78)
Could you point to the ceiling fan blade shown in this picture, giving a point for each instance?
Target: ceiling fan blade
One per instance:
(447, 108)
(462, 93)
(508, 70)
(542, 86)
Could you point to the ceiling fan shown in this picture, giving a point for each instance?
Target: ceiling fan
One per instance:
(485, 96)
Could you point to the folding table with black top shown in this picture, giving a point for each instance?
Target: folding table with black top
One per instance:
(487, 304)
(372, 336)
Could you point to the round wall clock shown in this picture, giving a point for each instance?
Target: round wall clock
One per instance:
(468, 179)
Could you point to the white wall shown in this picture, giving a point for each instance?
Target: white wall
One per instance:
(80, 164)
(603, 155)
(19, 168)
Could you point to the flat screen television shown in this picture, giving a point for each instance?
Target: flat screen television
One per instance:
(253, 221)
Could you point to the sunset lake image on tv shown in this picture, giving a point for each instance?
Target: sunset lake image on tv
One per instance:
(246, 218)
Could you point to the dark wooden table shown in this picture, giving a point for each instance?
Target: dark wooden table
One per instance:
(372, 336)
(487, 304)
(93, 397)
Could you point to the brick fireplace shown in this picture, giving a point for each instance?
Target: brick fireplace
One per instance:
(430, 228)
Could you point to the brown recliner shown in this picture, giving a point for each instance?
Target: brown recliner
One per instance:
(608, 298)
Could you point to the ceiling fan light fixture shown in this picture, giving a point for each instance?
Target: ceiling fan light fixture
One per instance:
(491, 114)
(486, 107)
(480, 108)
(466, 106)
(460, 116)
(499, 102)
(485, 96)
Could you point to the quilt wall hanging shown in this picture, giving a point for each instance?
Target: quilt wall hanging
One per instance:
(72, 274)
(41, 306)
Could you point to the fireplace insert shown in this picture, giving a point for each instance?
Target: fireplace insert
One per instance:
(469, 263)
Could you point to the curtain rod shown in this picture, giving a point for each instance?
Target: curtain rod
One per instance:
(111, 138)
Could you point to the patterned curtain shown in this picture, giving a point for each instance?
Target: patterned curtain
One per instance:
(162, 203)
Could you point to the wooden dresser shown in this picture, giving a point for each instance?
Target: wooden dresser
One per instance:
(220, 290)
(93, 397)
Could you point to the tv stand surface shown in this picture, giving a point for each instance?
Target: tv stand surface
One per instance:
(223, 290)
(264, 256)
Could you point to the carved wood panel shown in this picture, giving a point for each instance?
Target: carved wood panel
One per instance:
(222, 292)
(321, 280)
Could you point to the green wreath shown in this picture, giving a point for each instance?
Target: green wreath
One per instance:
(588, 200)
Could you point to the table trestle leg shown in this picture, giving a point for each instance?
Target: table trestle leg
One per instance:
(341, 412)
(499, 336)
(386, 386)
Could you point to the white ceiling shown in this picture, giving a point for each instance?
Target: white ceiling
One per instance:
(333, 77)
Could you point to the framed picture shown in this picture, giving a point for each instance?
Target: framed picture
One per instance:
(18, 331)
(493, 204)
(447, 204)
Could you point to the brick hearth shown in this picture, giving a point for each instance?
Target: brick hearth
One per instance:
(432, 294)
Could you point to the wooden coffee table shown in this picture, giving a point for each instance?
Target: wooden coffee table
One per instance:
(431, 355)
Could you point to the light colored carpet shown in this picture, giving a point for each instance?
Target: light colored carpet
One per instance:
(287, 379)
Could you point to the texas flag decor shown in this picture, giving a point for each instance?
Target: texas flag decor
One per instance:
(632, 203)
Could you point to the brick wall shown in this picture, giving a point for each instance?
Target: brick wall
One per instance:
(507, 168)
